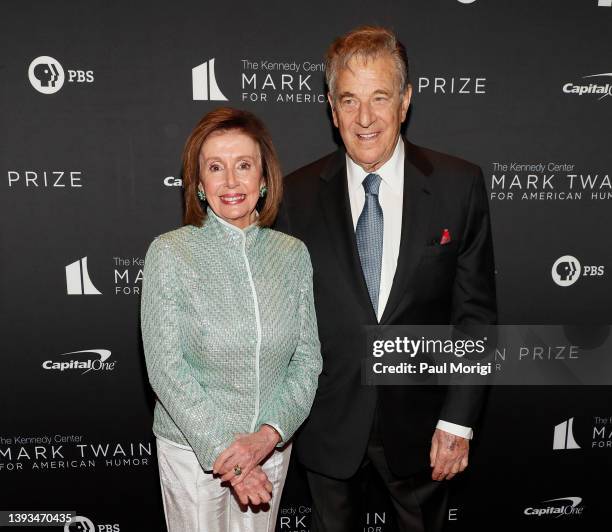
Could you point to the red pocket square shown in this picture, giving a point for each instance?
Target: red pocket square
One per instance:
(446, 237)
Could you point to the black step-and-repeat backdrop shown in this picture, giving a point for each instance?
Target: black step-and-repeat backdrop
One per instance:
(97, 100)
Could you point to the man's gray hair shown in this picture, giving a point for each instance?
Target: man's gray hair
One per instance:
(365, 42)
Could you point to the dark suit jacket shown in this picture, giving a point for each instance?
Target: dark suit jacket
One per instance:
(433, 284)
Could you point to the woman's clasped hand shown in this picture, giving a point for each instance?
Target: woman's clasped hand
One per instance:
(239, 465)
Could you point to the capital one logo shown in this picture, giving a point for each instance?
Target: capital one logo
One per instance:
(558, 508)
(171, 181)
(95, 360)
(78, 282)
(564, 436)
(46, 74)
(592, 87)
(204, 82)
(566, 270)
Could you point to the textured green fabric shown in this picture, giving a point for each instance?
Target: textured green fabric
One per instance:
(229, 333)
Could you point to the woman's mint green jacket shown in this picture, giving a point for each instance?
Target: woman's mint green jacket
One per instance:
(229, 333)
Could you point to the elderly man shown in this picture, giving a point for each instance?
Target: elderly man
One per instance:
(398, 234)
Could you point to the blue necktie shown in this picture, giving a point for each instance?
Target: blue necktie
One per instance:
(369, 235)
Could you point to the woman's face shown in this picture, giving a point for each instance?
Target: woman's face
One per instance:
(231, 175)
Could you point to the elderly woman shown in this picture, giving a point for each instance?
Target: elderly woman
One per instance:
(229, 333)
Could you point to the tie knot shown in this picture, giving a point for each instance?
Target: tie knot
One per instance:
(371, 183)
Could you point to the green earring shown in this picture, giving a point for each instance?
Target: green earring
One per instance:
(201, 195)
(263, 191)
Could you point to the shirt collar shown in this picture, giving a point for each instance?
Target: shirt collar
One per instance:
(391, 172)
(222, 229)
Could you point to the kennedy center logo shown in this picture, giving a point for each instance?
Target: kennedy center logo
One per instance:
(78, 282)
(564, 436)
(205, 85)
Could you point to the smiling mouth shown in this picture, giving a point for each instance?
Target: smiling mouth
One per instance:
(368, 136)
(232, 199)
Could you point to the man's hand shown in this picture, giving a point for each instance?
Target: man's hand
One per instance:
(448, 455)
(255, 488)
(247, 451)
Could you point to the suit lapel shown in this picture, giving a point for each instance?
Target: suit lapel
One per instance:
(416, 213)
(337, 212)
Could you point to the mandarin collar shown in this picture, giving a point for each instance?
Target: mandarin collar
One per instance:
(223, 230)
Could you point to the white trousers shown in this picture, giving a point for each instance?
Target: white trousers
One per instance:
(195, 501)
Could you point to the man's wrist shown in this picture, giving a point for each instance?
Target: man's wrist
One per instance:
(457, 430)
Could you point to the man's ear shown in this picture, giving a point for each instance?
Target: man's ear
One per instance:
(406, 101)
(330, 100)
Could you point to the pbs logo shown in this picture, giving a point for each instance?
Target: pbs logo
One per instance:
(567, 270)
(47, 75)
(79, 524)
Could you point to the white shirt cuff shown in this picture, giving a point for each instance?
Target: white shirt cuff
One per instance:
(277, 429)
(457, 430)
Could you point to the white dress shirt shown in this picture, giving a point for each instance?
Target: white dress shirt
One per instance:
(390, 197)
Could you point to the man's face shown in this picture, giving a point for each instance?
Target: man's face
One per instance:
(368, 109)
